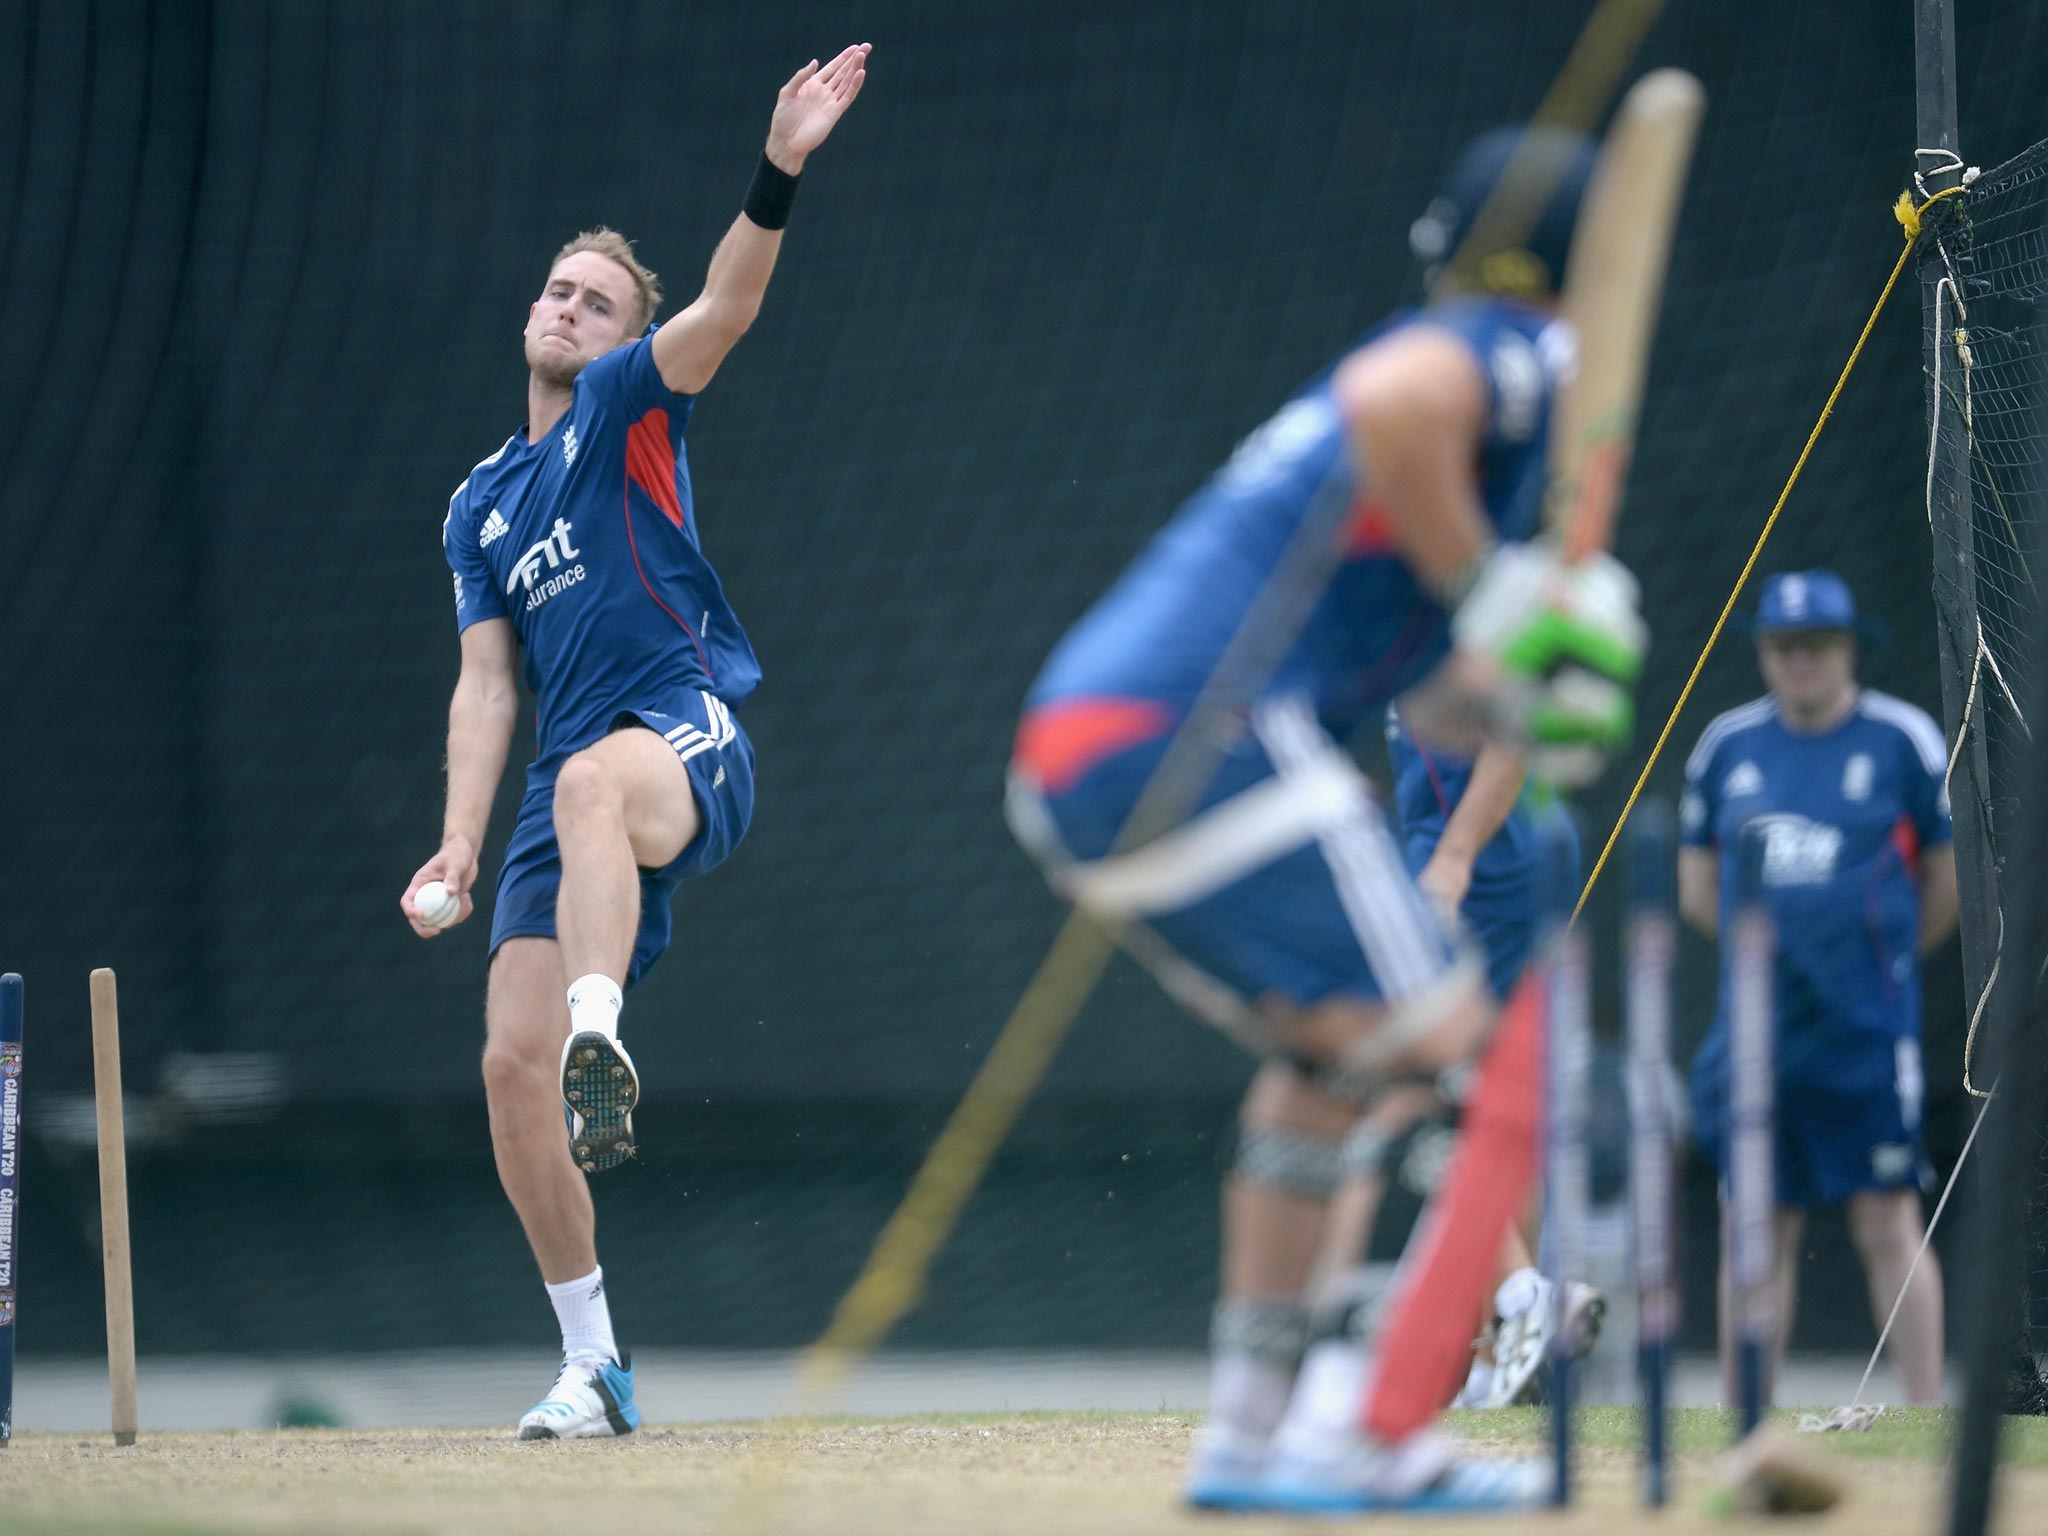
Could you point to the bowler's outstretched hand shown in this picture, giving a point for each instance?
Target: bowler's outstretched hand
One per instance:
(811, 103)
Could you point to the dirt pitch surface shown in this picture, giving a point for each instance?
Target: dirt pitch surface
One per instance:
(1114, 1474)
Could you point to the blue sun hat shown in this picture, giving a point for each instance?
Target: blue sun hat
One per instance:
(1816, 599)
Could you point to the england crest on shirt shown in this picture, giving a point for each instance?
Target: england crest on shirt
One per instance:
(1857, 776)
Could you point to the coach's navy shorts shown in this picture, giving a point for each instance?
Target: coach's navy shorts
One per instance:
(1849, 1111)
(720, 761)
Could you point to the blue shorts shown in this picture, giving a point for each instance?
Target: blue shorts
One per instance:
(1284, 881)
(1502, 915)
(1855, 1127)
(1505, 925)
(720, 762)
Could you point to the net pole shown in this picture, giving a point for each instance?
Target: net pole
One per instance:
(1950, 526)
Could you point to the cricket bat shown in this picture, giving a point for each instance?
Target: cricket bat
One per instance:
(1613, 285)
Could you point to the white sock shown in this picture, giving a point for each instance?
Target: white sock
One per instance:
(585, 1318)
(1324, 1413)
(594, 1004)
(1247, 1395)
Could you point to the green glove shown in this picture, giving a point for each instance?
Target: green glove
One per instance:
(1567, 644)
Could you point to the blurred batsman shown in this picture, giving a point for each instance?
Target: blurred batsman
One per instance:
(1847, 787)
(1473, 833)
(578, 541)
(1476, 835)
(1274, 901)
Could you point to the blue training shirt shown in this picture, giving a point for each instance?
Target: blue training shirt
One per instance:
(587, 542)
(1845, 814)
(1159, 632)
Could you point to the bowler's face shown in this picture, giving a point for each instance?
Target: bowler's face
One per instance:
(580, 315)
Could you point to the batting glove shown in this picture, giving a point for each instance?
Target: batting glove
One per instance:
(1567, 644)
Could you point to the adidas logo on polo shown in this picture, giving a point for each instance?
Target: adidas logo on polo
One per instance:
(495, 528)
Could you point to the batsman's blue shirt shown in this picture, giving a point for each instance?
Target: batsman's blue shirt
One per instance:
(1844, 815)
(587, 541)
(1158, 634)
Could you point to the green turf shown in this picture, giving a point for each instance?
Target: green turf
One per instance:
(1921, 1434)
(1918, 1434)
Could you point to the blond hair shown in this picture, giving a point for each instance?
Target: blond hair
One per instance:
(613, 246)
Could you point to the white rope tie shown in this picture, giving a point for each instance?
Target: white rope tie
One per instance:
(1977, 1016)
(1946, 160)
(1963, 730)
(1934, 426)
(1992, 659)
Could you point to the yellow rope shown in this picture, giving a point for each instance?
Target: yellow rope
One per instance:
(1909, 217)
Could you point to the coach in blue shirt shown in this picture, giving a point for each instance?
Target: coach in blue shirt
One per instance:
(1859, 873)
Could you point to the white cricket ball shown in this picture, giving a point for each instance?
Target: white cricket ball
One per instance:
(437, 906)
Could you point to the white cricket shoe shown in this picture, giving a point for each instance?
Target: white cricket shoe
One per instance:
(592, 1397)
(1522, 1342)
(1478, 1380)
(1225, 1469)
(1426, 1473)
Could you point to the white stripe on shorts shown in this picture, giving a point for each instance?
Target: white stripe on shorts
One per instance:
(718, 719)
(1909, 1080)
(688, 740)
(1401, 939)
(1211, 850)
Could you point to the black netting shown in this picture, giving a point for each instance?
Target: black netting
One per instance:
(1988, 268)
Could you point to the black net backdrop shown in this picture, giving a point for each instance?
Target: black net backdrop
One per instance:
(264, 272)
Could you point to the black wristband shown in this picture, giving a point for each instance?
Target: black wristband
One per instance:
(771, 194)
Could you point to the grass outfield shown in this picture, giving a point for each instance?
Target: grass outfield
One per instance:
(975, 1474)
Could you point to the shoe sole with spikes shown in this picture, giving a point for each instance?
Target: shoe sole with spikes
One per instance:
(599, 1090)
